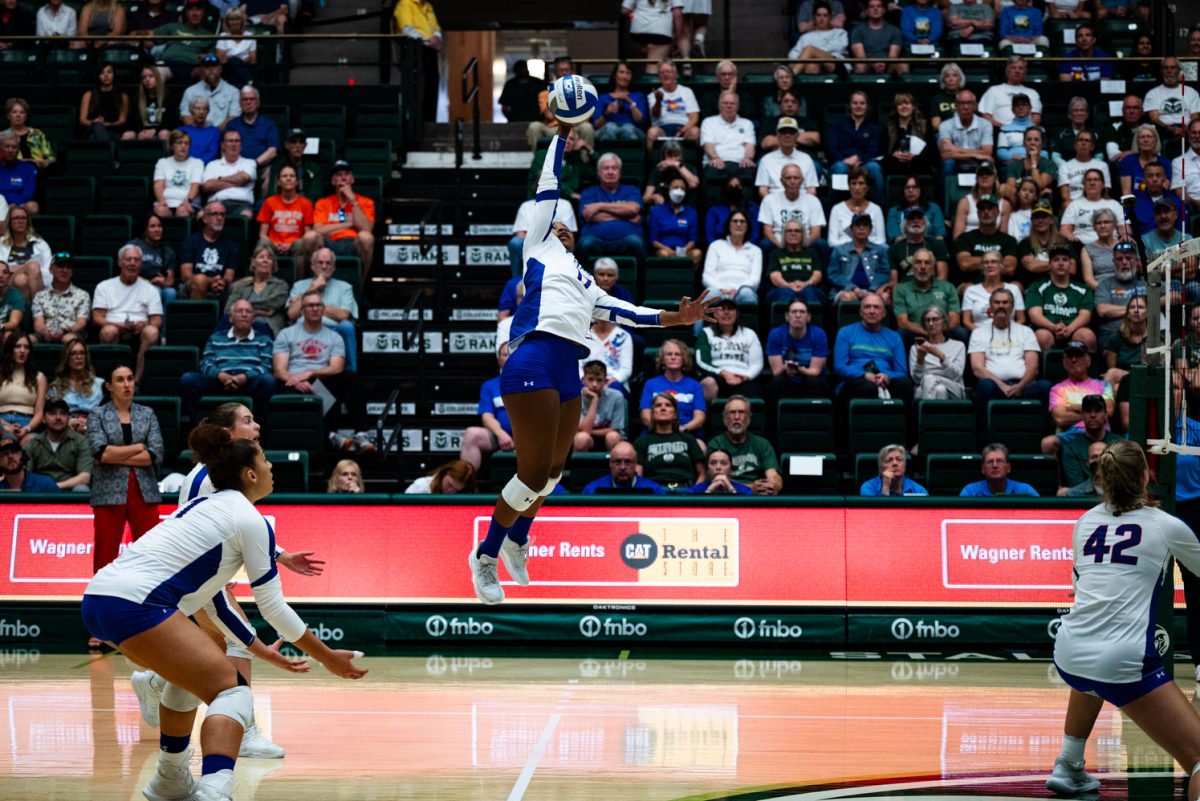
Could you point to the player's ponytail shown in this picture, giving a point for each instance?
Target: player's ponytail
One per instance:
(1122, 473)
(224, 456)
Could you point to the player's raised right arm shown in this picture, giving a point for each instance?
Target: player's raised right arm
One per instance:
(547, 194)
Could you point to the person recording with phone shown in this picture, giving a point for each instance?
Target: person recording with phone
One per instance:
(891, 481)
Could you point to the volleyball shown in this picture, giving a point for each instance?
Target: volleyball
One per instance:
(572, 99)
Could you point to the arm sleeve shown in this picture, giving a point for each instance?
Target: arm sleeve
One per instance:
(622, 312)
(228, 621)
(258, 556)
(546, 196)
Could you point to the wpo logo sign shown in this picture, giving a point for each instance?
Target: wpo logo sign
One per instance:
(592, 627)
(903, 629)
(438, 626)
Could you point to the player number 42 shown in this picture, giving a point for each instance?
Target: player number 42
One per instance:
(1129, 535)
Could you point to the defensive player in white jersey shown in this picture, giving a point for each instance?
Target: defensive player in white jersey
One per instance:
(540, 383)
(140, 603)
(1106, 648)
(223, 616)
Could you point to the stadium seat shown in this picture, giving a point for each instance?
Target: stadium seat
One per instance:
(89, 157)
(91, 270)
(296, 422)
(668, 280)
(797, 483)
(136, 157)
(945, 426)
(805, 425)
(58, 230)
(866, 467)
(127, 195)
(586, 467)
(503, 466)
(875, 423)
(378, 122)
(1019, 424)
(289, 469)
(846, 314)
(106, 357)
(190, 322)
(73, 195)
(238, 229)
(176, 229)
(1036, 469)
(167, 410)
(46, 356)
(369, 157)
(948, 473)
(165, 364)
(1052, 366)
(758, 416)
(324, 121)
(104, 234)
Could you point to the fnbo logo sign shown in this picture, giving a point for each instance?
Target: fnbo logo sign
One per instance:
(321, 632)
(903, 629)
(18, 629)
(438, 626)
(592, 626)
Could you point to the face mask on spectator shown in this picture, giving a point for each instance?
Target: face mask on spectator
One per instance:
(677, 195)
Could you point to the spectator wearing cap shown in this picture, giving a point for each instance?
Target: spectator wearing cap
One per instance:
(996, 469)
(230, 178)
(61, 310)
(186, 43)
(209, 258)
(966, 138)
(1010, 138)
(127, 308)
(868, 359)
(340, 309)
(796, 269)
(913, 298)
(563, 213)
(728, 142)
(915, 237)
(1166, 232)
(1066, 397)
(966, 214)
(222, 97)
(59, 452)
(1157, 187)
(309, 173)
(769, 178)
(674, 226)
(793, 204)
(1004, 356)
(16, 477)
(345, 220)
(12, 304)
(177, 179)
(970, 247)
(236, 361)
(1059, 309)
(856, 141)
(1033, 252)
(260, 136)
(860, 267)
(1071, 444)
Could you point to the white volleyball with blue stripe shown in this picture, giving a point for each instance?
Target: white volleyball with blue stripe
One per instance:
(572, 99)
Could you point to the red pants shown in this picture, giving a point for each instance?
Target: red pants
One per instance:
(109, 523)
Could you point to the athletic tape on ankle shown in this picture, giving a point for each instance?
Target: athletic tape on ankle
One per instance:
(517, 495)
(236, 703)
(550, 485)
(178, 699)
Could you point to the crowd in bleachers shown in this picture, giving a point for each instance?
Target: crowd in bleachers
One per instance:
(965, 267)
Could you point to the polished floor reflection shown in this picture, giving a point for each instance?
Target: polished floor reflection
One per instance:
(475, 728)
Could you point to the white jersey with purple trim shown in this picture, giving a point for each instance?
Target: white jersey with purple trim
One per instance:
(185, 561)
(1119, 572)
(561, 298)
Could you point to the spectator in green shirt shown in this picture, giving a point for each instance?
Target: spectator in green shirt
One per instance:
(1059, 309)
(182, 56)
(754, 460)
(59, 452)
(911, 298)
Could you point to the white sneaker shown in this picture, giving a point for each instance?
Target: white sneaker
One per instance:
(1198, 674)
(173, 780)
(256, 746)
(1069, 778)
(147, 694)
(215, 786)
(364, 442)
(514, 557)
(483, 576)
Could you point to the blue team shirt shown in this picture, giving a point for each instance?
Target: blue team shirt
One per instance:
(257, 137)
(874, 487)
(611, 229)
(673, 229)
(491, 403)
(688, 394)
(1187, 468)
(980, 490)
(639, 482)
(814, 343)
(702, 488)
(37, 482)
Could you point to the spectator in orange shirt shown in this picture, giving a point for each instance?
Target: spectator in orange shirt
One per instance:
(345, 219)
(286, 218)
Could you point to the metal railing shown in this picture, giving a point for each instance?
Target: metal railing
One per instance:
(470, 94)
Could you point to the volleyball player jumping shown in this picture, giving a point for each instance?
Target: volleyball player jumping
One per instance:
(540, 383)
(1106, 648)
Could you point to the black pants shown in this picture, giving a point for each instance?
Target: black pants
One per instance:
(900, 388)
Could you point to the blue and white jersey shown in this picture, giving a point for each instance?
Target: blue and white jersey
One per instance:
(560, 296)
(185, 561)
(1119, 573)
(196, 484)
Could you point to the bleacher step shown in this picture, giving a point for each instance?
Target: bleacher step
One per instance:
(434, 160)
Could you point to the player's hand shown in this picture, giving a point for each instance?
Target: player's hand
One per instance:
(564, 129)
(275, 657)
(340, 664)
(691, 311)
(300, 562)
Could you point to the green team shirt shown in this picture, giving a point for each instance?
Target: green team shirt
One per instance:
(797, 266)
(751, 460)
(1074, 454)
(908, 299)
(900, 255)
(1016, 170)
(1060, 304)
(669, 458)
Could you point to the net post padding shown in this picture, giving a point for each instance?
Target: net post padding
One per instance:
(1161, 317)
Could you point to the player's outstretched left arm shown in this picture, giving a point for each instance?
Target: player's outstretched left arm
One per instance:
(623, 313)
(690, 312)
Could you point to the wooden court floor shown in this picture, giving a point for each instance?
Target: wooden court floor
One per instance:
(479, 728)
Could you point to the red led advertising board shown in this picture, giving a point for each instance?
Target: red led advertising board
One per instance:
(623, 554)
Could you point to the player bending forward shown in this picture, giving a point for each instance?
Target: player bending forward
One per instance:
(1105, 649)
(540, 383)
